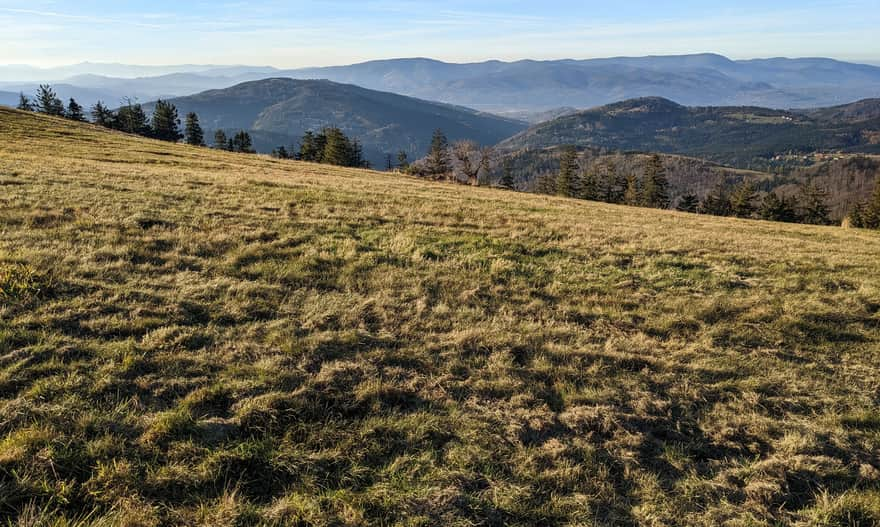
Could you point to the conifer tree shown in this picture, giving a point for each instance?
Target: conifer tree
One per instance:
(716, 203)
(566, 184)
(507, 181)
(589, 183)
(102, 116)
(437, 164)
(193, 133)
(775, 208)
(242, 143)
(132, 119)
(356, 154)
(24, 103)
(813, 205)
(633, 194)
(655, 187)
(281, 153)
(47, 101)
(337, 149)
(688, 203)
(75, 111)
(742, 200)
(402, 160)
(389, 162)
(308, 149)
(220, 140)
(165, 122)
(871, 210)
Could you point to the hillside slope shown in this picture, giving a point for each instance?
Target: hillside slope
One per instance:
(384, 122)
(744, 137)
(198, 337)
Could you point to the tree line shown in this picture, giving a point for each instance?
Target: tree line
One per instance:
(330, 146)
(163, 124)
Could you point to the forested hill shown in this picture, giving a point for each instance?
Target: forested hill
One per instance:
(385, 123)
(743, 137)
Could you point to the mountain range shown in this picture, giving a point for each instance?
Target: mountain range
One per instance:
(278, 111)
(526, 86)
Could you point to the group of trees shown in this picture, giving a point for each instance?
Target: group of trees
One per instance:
(163, 124)
(240, 143)
(460, 162)
(603, 182)
(330, 146)
(867, 215)
(809, 204)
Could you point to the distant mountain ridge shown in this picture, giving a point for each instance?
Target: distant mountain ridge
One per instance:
(740, 136)
(528, 86)
(280, 110)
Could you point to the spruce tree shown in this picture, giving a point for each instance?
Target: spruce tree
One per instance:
(220, 140)
(389, 162)
(402, 160)
(716, 203)
(437, 164)
(47, 101)
(688, 203)
(102, 116)
(813, 205)
(590, 188)
(75, 111)
(193, 133)
(871, 210)
(566, 184)
(655, 187)
(356, 154)
(742, 200)
(24, 104)
(132, 119)
(507, 181)
(281, 153)
(165, 122)
(242, 143)
(337, 148)
(775, 208)
(633, 194)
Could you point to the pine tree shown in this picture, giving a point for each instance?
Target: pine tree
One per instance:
(566, 184)
(337, 149)
(24, 104)
(633, 194)
(402, 160)
(871, 210)
(220, 140)
(48, 102)
(507, 181)
(813, 204)
(193, 133)
(742, 200)
(655, 187)
(856, 216)
(132, 119)
(281, 153)
(102, 116)
(716, 203)
(775, 208)
(437, 164)
(75, 111)
(356, 154)
(589, 183)
(165, 122)
(688, 203)
(389, 162)
(242, 143)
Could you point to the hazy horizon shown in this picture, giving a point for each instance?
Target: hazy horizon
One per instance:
(309, 33)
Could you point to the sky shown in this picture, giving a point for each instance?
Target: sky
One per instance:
(330, 32)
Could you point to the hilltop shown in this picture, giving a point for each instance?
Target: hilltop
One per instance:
(743, 137)
(190, 336)
(383, 122)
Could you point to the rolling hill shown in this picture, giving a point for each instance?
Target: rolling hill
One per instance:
(743, 137)
(190, 336)
(522, 87)
(383, 122)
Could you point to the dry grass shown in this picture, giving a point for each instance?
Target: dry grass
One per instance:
(195, 337)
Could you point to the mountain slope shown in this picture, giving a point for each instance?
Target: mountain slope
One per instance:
(744, 137)
(196, 337)
(384, 122)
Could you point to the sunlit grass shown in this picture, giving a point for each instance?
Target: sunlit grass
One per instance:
(190, 336)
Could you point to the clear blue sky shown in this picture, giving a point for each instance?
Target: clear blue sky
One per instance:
(324, 32)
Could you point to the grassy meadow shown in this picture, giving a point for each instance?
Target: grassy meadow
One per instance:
(192, 337)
